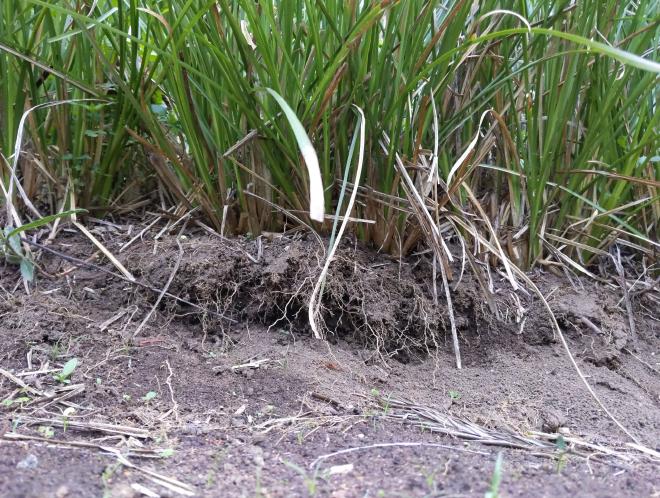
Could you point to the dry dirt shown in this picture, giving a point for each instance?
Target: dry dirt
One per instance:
(257, 407)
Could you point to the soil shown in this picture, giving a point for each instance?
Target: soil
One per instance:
(252, 405)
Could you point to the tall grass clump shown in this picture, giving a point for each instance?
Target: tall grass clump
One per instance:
(74, 148)
(527, 126)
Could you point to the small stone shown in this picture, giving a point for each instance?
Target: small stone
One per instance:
(551, 420)
(29, 462)
(190, 429)
(62, 491)
(258, 456)
(237, 422)
(258, 438)
(122, 490)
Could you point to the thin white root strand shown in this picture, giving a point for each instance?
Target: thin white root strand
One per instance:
(342, 228)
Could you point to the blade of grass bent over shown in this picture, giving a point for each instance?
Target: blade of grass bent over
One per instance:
(316, 202)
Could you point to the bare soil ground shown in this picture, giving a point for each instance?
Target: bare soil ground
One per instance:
(197, 405)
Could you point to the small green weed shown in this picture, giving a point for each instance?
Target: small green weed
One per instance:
(562, 457)
(213, 468)
(167, 452)
(258, 492)
(310, 480)
(15, 401)
(431, 479)
(494, 491)
(46, 431)
(67, 370)
(108, 472)
(65, 416)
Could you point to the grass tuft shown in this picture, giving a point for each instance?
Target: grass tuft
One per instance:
(533, 123)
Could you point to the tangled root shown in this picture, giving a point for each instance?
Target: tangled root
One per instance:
(368, 298)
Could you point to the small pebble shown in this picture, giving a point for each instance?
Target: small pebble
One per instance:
(237, 422)
(191, 429)
(29, 462)
(551, 420)
(62, 491)
(258, 438)
(258, 456)
(122, 490)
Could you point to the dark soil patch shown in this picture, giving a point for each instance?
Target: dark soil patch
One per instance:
(255, 430)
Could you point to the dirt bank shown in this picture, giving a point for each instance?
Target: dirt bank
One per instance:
(255, 407)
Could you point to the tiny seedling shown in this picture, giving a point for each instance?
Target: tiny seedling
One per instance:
(15, 401)
(46, 431)
(386, 405)
(55, 351)
(454, 395)
(67, 370)
(65, 416)
(268, 409)
(562, 457)
(494, 491)
(167, 452)
(258, 490)
(151, 395)
(310, 480)
(12, 248)
(431, 480)
(108, 472)
(215, 465)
